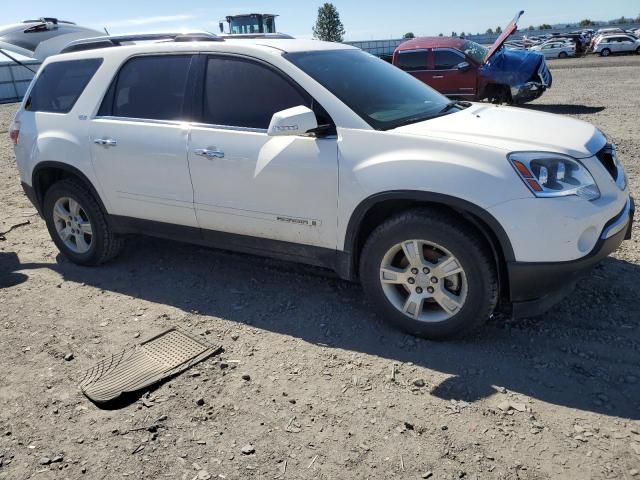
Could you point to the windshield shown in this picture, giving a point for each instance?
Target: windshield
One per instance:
(475, 51)
(383, 95)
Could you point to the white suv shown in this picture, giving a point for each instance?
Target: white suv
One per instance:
(616, 43)
(323, 154)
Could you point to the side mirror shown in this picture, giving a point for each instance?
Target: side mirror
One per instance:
(464, 66)
(292, 121)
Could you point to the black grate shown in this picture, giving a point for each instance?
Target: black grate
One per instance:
(606, 157)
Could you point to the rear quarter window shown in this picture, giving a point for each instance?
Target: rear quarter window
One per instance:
(60, 85)
(150, 87)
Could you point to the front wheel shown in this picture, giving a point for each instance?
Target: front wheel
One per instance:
(429, 274)
(77, 224)
(562, 55)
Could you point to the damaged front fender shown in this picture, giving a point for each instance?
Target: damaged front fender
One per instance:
(524, 72)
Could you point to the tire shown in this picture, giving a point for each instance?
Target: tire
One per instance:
(83, 248)
(500, 94)
(460, 241)
(638, 51)
(562, 55)
(605, 52)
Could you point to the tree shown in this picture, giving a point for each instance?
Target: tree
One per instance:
(531, 28)
(586, 23)
(440, 35)
(489, 31)
(545, 26)
(409, 35)
(638, 18)
(328, 26)
(499, 29)
(462, 35)
(454, 34)
(620, 20)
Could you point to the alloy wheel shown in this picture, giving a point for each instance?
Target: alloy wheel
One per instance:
(423, 280)
(72, 225)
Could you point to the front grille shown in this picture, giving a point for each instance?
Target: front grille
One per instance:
(607, 158)
(544, 74)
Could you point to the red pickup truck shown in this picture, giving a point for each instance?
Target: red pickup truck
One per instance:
(464, 69)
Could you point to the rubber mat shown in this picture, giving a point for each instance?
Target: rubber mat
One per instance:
(138, 367)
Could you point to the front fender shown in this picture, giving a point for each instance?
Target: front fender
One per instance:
(487, 220)
(373, 162)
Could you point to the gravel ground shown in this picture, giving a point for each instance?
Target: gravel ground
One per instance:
(551, 397)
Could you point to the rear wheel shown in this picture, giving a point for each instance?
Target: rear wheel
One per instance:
(77, 224)
(562, 55)
(605, 52)
(429, 274)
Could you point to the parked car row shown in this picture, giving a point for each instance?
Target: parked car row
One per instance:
(556, 49)
(604, 42)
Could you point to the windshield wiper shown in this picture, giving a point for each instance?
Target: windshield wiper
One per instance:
(455, 103)
(411, 120)
(422, 118)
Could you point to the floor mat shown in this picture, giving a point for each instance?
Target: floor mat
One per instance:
(138, 367)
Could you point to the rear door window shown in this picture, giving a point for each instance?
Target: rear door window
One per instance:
(412, 60)
(244, 93)
(446, 59)
(150, 87)
(60, 85)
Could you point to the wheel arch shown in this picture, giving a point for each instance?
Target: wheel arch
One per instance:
(375, 209)
(47, 173)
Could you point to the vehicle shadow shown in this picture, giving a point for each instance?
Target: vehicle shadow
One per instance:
(563, 109)
(584, 354)
(9, 266)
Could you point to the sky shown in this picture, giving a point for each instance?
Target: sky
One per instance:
(363, 20)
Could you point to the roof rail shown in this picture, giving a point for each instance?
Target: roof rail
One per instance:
(118, 40)
(232, 36)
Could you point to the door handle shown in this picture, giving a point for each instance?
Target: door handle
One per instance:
(208, 153)
(438, 76)
(107, 142)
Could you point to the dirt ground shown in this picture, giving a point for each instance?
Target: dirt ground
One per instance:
(551, 397)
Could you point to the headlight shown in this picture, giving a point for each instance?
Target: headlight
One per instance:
(554, 175)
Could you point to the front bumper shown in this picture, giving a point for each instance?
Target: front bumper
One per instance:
(536, 286)
(527, 92)
(535, 87)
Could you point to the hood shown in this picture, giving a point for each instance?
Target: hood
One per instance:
(506, 33)
(513, 129)
(512, 67)
(42, 38)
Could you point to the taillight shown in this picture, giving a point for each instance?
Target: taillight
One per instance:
(14, 132)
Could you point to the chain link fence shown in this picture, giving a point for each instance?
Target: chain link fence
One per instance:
(15, 79)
